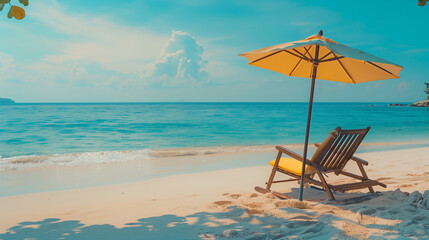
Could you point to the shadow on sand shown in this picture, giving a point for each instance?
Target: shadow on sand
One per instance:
(237, 221)
(201, 225)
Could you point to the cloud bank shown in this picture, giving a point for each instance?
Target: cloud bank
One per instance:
(180, 63)
(97, 39)
(91, 50)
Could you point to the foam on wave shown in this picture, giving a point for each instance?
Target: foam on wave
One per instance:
(71, 159)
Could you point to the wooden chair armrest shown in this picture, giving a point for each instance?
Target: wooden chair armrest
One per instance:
(354, 158)
(298, 157)
(359, 160)
(290, 153)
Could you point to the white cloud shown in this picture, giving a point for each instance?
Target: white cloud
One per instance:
(42, 72)
(83, 51)
(373, 85)
(180, 62)
(12, 71)
(417, 51)
(403, 86)
(6, 61)
(87, 50)
(93, 50)
(96, 39)
(8, 66)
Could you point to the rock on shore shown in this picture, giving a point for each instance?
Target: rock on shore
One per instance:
(421, 104)
(397, 105)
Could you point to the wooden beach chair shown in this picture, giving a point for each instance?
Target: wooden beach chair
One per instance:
(330, 157)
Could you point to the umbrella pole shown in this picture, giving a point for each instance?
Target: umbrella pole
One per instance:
(307, 131)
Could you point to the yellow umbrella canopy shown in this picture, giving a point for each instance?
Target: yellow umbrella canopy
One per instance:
(337, 62)
(317, 56)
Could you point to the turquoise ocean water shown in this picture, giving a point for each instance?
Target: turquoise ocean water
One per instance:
(37, 133)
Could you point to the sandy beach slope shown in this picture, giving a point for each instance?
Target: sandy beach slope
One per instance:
(222, 205)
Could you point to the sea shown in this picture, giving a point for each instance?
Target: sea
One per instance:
(62, 134)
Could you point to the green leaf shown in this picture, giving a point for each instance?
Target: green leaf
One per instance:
(9, 14)
(25, 2)
(1, 6)
(4, 1)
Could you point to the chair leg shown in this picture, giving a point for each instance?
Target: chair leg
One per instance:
(273, 172)
(362, 170)
(325, 185)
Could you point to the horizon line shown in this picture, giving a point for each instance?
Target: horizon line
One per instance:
(210, 102)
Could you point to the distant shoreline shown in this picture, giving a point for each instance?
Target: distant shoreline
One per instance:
(416, 104)
(6, 101)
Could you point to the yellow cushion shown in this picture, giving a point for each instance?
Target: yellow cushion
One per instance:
(290, 165)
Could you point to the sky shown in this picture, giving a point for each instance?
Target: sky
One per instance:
(187, 50)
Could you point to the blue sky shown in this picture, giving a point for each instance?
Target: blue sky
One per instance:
(155, 50)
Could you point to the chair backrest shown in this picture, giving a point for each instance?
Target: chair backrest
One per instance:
(338, 148)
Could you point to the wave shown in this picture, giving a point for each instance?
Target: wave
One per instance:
(72, 159)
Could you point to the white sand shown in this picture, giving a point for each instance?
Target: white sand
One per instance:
(223, 205)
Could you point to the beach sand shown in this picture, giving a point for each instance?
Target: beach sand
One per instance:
(222, 204)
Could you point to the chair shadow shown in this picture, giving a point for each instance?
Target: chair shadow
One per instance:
(235, 222)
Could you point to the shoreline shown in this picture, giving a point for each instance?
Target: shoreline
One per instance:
(20, 162)
(220, 199)
(55, 178)
(60, 177)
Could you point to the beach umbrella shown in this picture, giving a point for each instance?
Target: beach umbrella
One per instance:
(317, 56)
